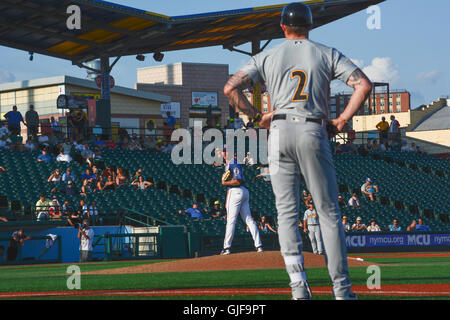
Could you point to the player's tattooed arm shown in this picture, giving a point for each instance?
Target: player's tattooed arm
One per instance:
(357, 78)
(233, 90)
(362, 87)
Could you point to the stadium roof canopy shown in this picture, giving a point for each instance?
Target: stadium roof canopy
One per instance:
(113, 30)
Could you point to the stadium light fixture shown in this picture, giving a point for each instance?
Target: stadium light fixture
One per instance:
(31, 55)
(158, 56)
(140, 57)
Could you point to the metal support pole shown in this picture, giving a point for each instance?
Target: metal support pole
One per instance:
(256, 48)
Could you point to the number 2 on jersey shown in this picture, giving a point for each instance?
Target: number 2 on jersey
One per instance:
(302, 78)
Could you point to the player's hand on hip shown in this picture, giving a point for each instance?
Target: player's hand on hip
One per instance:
(267, 119)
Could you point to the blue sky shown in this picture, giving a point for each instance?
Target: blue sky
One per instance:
(411, 50)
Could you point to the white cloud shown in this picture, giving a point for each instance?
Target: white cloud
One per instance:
(429, 77)
(6, 76)
(382, 69)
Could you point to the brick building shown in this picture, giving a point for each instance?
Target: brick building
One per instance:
(194, 86)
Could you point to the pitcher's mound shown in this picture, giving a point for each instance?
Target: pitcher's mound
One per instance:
(234, 261)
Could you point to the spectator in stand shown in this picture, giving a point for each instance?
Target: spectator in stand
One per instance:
(347, 148)
(55, 179)
(248, 160)
(88, 155)
(369, 145)
(63, 157)
(2, 169)
(384, 147)
(109, 172)
(306, 197)
(99, 184)
(141, 184)
(110, 184)
(159, 146)
(265, 227)
(93, 212)
(373, 227)
(55, 128)
(405, 147)
(359, 226)
(394, 226)
(86, 236)
(194, 212)
(99, 142)
(418, 226)
(30, 145)
(383, 126)
(149, 143)
(353, 202)
(96, 171)
(110, 144)
(369, 190)
(5, 143)
(171, 121)
(42, 207)
(74, 219)
(341, 201)
(43, 141)
(4, 132)
(68, 176)
(139, 173)
(375, 146)
(14, 118)
(44, 157)
(32, 122)
(264, 173)
(83, 210)
(66, 208)
(168, 147)
(121, 179)
(346, 224)
(67, 146)
(70, 189)
(18, 239)
(55, 210)
(394, 131)
(217, 211)
(88, 187)
(88, 175)
(3, 219)
(218, 158)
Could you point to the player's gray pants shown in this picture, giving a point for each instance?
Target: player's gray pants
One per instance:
(237, 203)
(316, 239)
(296, 146)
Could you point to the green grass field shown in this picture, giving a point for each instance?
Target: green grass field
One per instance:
(394, 271)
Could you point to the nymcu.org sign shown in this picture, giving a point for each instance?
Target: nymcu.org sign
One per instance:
(393, 240)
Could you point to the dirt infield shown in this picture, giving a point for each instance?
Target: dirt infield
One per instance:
(235, 261)
(418, 290)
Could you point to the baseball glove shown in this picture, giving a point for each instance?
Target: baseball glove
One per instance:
(332, 130)
(226, 175)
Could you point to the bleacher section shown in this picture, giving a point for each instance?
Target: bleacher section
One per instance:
(407, 189)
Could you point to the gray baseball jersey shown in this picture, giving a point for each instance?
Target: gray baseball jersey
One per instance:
(297, 74)
(304, 70)
(311, 217)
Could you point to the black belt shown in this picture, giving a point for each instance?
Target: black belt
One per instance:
(283, 117)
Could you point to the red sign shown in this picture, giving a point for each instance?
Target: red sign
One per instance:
(98, 81)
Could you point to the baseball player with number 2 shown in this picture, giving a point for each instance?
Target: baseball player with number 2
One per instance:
(297, 74)
(237, 203)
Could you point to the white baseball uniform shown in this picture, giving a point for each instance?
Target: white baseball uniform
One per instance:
(238, 203)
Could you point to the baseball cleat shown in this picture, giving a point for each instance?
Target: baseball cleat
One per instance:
(225, 252)
(349, 296)
(259, 249)
(302, 292)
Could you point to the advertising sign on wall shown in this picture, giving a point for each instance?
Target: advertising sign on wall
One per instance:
(204, 99)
